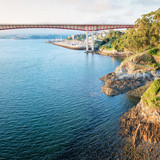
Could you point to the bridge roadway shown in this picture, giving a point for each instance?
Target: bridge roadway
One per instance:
(80, 27)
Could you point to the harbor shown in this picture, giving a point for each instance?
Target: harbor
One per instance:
(72, 44)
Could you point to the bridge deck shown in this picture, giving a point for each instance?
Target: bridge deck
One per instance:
(81, 27)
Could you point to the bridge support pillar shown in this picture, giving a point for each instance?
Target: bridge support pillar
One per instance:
(92, 41)
(86, 41)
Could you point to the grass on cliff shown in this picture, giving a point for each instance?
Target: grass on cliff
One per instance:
(152, 96)
(154, 51)
(147, 59)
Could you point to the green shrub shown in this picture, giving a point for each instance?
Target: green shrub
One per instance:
(153, 51)
(150, 97)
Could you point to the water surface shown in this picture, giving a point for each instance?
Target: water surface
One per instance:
(51, 105)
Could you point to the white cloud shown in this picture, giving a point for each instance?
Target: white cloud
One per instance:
(97, 6)
(74, 11)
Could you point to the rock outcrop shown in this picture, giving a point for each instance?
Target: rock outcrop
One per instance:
(139, 91)
(142, 122)
(128, 76)
(114, 53)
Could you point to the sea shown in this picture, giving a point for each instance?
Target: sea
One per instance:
(51, 104)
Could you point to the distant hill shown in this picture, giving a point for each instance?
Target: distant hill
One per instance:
(21, 36)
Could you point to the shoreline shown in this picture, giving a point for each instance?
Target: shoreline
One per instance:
(80, 45)
(141, 123)
(75, 45)
(114, 53)
(70, 46)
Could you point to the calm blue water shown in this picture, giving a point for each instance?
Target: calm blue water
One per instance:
(51, 105)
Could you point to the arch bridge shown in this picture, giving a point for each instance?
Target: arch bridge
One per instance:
(80, 27)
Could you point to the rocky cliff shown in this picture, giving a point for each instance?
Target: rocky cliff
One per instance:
(136, 74)
(129, 76)
(142, 122)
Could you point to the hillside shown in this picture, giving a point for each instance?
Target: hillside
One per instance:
(144, 36)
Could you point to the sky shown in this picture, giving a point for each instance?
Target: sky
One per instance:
(74, 11)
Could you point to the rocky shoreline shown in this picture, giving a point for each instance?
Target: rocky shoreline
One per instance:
(140, 90)
(142, 122)
(128, 76)
(115, 85)
(113, 53)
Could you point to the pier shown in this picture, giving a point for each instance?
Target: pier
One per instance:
(74, 44)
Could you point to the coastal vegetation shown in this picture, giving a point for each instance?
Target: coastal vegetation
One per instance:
(154, 51)
(78, 37)
(146, 58)
(151, 97)
(106, 43)
(145, 35)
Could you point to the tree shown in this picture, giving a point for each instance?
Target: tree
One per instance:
(145, 34)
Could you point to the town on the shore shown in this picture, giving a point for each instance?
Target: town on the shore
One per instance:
(78, 41)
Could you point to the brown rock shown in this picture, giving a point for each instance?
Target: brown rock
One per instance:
(110, 91)
(141, 123)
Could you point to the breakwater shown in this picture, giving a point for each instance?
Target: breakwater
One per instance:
(72, 44)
